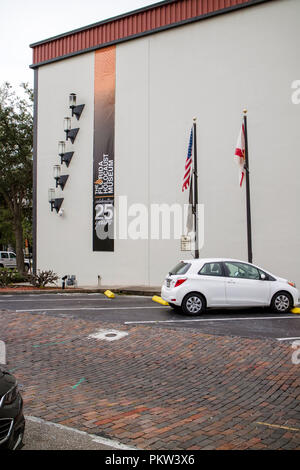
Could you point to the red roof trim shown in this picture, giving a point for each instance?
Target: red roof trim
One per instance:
(148, 20)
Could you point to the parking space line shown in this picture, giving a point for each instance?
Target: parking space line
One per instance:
(210, 320)
(277, 426)
(55, 300)
(288, 339)
(100, 299)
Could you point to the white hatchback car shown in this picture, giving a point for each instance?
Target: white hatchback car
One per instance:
(197, 284)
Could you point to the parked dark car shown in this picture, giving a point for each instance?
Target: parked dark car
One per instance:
(12, 422)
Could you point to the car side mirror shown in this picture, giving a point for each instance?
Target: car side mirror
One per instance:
(263, 277)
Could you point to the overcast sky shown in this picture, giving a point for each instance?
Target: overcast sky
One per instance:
(23, 22)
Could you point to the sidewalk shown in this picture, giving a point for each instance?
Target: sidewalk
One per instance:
(43, 435)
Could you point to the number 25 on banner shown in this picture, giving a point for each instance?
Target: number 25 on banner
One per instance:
(104, 211)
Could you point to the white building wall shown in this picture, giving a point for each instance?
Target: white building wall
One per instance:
(63, 242)
(211, 69)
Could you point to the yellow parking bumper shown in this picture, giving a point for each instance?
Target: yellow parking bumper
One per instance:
(295, 310)
(109, 294)
(159, 300)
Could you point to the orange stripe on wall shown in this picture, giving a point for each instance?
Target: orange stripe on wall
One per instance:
(105, 68)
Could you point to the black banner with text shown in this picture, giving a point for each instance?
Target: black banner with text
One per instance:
(103, 167)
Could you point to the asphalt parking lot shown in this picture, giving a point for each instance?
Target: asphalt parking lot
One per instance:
(135, 310)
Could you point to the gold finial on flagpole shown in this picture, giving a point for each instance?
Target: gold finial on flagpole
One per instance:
(194, 119)
(245, 111)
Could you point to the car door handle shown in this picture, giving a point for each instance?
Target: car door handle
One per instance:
(231, 282)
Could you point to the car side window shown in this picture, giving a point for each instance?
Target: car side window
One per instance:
(4, 255)
(241, 270)
(211, 269)
(12, 255)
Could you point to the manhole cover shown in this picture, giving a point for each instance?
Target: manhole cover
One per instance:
(108, 335)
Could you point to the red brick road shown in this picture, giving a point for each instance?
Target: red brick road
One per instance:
(156, 388)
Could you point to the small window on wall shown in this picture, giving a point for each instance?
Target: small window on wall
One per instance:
(241, 270)
(211, 269)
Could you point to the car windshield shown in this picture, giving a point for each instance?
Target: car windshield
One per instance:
(180, 268)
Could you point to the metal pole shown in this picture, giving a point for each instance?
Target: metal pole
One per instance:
(195, 205)
(248, 207)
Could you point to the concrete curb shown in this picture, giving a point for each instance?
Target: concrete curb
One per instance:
(120, 291)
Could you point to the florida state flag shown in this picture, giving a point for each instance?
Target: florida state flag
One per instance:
(240, 155)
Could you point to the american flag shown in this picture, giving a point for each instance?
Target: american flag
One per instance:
(188, 164)
(239, 155)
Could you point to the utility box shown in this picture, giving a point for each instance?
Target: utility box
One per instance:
(71, 280)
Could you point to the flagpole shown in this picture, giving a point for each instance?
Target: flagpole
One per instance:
(195, 205)
(248, 207)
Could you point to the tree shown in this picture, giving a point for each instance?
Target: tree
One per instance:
(7, 237)
(16, 140)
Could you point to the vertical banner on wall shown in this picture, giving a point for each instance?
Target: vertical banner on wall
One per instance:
(103, 165)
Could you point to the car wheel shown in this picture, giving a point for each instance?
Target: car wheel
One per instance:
(193, 304)
(281, 302)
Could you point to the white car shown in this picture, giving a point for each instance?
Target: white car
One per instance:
(8, 259)
(197, 284)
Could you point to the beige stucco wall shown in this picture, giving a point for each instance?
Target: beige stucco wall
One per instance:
(211, 69)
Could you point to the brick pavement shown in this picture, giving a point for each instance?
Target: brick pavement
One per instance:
(156, 388)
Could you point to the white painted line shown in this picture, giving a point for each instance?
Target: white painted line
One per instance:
(56, 300)
(100, 299)
(86, 308)
(288, 339)
(100, 440)
(210, 320)
(134, 296)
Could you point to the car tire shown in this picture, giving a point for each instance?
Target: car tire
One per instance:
(282, 302)
(175, 307)
(193, 304)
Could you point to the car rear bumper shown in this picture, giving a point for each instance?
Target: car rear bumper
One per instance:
(170, 295)
(296, 297)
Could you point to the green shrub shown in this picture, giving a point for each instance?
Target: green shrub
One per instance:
(9, 276)
(20, 277)
(42, 278)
